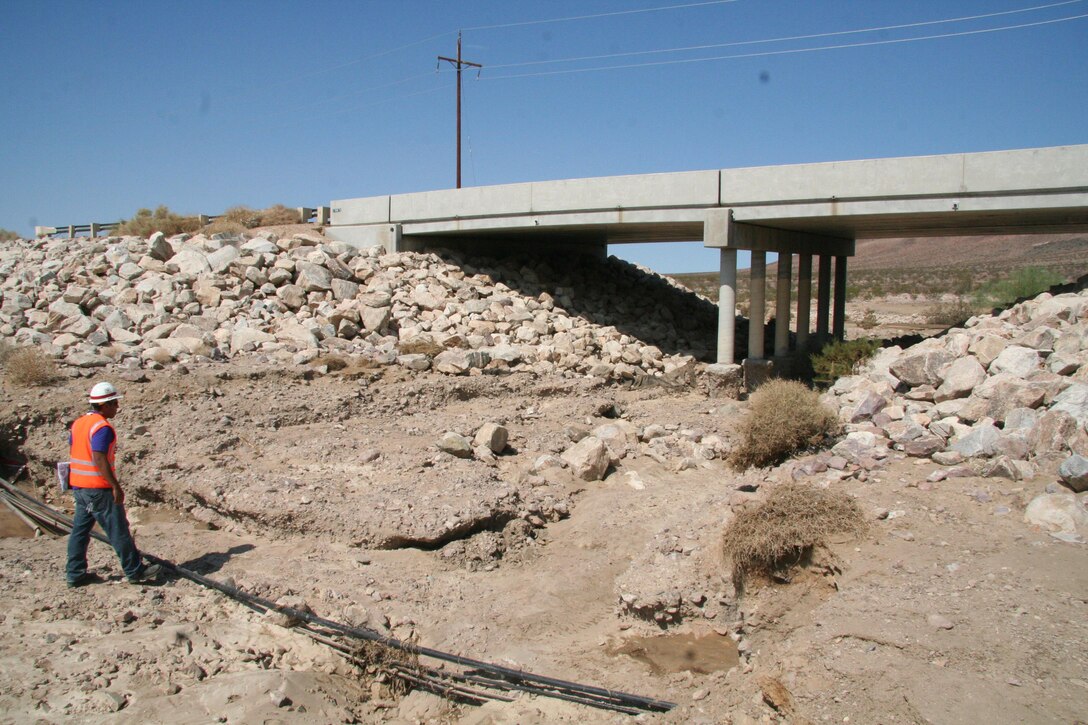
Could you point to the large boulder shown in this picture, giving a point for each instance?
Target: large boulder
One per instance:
(1074, 472)
(459, 362)
(455, 444)
(588, 459)
(245, 339)
(158, 248)
(921, 367)
(961, 377)
(1062, 515)
(1073, 400)
(981, 442)
(220, 260)
(188, 261)
(492, 436)
(312, 277)
(987, 347)
(1016, 360)
(1055, 432)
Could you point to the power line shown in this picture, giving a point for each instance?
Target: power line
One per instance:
(601, 15)
(372, 56)
(313, 104)
(782, 39)
(787, 52)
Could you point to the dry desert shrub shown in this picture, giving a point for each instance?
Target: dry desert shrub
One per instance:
(147, 222)
(239, 218)
(951, 313)
(224, 226)
(784, 417)
(278, 214)
(332, 362)
(782, 530)
(29, 367)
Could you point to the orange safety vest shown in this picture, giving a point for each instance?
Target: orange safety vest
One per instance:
(84, 473)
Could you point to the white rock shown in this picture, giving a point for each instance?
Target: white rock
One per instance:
(588, 459)
(1016, 360)
(313, 277)
(1061, 515)
(960, 379)
(1073, 400)
(247, 338)
(220, 260)
(492, 436)
(189, 262)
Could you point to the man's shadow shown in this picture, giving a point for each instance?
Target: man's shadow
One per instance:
(212, 562)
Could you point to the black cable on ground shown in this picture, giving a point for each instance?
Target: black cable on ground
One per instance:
(496, 675)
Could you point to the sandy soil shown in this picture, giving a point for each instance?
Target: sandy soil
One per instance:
(330, 488)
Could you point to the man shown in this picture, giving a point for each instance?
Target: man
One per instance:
(98, 493)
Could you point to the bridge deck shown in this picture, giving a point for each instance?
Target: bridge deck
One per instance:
(1021, 191)
(814, 211)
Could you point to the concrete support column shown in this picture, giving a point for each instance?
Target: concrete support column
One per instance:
(727, 306)
(823, 298)
(804, 298)
(757, 311)
(95, 229)
(782, 305)
(839, 327)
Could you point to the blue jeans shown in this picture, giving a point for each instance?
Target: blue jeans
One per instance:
(96, 504)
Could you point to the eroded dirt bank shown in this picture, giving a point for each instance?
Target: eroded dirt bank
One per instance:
(331, 488)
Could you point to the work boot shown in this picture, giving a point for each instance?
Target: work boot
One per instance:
(147, 574)
(88, 578)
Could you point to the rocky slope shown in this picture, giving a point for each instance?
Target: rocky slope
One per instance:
(142, 303)
(1003, 395)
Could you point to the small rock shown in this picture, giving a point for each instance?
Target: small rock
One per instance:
(493, 436)
(455, 444)
(1074, 472)
(939, 622)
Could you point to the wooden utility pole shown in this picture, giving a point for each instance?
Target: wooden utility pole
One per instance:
(459, 64)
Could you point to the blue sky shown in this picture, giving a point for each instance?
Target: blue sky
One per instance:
(113, 106)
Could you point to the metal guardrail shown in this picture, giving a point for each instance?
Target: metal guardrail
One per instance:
(306, 214)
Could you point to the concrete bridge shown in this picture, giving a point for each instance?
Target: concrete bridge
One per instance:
(806, 210)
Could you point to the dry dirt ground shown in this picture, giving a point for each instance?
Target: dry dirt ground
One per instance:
(329, 488)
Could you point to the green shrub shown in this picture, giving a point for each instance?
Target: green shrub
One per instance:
(6, 235)
(146, 223)
(868, 320)
(778, 533)
(841, 357)
(784, 417)
(950, 314)
(29, 367)
(1022, 283)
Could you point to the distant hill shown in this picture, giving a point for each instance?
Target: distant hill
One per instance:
(1043, 250)
(934, 265)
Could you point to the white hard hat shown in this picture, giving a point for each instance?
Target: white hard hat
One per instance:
(103, 393)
